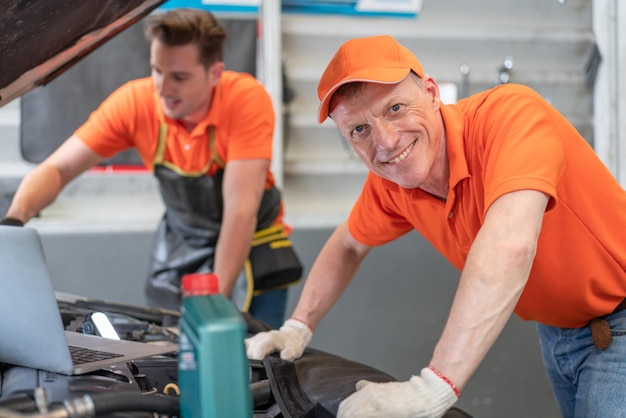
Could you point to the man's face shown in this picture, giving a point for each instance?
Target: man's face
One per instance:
(185, 86)
(396, 129)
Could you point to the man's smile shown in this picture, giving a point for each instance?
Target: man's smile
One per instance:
(404, 154)
(169, 102)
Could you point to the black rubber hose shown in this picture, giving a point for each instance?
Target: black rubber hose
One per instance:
(105, 403)
(261, 393)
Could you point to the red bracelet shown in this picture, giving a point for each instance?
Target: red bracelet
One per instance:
(445, 379)
(303, 323)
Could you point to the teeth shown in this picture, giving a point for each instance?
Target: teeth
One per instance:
(403, 155)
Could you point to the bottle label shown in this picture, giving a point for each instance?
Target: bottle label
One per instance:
(186, 355)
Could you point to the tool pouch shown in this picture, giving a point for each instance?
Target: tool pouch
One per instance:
(273, 263)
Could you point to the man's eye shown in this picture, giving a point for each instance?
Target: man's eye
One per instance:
(359, 133)
(394, 108)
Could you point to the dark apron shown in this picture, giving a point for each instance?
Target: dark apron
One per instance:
(187, 234)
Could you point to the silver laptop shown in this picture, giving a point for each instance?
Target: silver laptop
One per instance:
(31, 329)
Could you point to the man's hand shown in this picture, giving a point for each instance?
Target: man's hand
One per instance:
(11, 222)
(428, 395)
(291, 340)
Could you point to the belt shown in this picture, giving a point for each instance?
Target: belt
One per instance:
(600, 329)
(620, 307)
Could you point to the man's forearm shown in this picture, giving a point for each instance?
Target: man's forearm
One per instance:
(233, 247)
(495, 274)
(38, 189)
(479, 313)
(330, 275)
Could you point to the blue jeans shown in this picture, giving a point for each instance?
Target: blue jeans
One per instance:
(587, 382)
(270, 307)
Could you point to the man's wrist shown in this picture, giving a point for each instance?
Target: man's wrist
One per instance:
(445, 379)
(298, 323)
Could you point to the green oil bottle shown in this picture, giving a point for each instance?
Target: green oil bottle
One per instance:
(213, 371)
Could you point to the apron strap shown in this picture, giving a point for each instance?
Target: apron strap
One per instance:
(160, 153)
(214, 156)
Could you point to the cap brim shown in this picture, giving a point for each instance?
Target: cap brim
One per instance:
(371, 75)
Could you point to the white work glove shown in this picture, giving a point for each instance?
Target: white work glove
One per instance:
(291, 340)
(428, 395)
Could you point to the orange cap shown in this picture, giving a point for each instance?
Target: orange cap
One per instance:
(376, 59)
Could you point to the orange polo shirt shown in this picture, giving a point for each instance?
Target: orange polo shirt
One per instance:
(503, 140)
(241, 111)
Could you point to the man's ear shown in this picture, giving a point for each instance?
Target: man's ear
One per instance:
(215, 71)
(432, 89)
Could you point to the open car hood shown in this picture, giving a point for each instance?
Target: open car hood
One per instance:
(41, 39)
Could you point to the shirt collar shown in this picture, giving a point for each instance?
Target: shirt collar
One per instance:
(454, 123)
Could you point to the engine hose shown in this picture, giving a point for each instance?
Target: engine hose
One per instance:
(105, 403)
(261, 393)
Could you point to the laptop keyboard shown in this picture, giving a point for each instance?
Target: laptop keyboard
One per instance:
(81, 355)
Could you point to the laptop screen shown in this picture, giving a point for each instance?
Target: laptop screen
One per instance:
(31, 329)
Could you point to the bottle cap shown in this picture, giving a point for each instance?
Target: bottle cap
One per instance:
(198, 284)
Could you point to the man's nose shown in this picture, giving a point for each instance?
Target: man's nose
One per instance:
(385, 135)
(163, 86)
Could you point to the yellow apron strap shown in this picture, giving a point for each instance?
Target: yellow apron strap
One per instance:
(247, 269)
(214, 156)
(160, 152)
(269, 234)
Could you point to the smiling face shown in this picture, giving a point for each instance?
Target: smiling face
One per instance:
(397, 130)
(184, 84)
